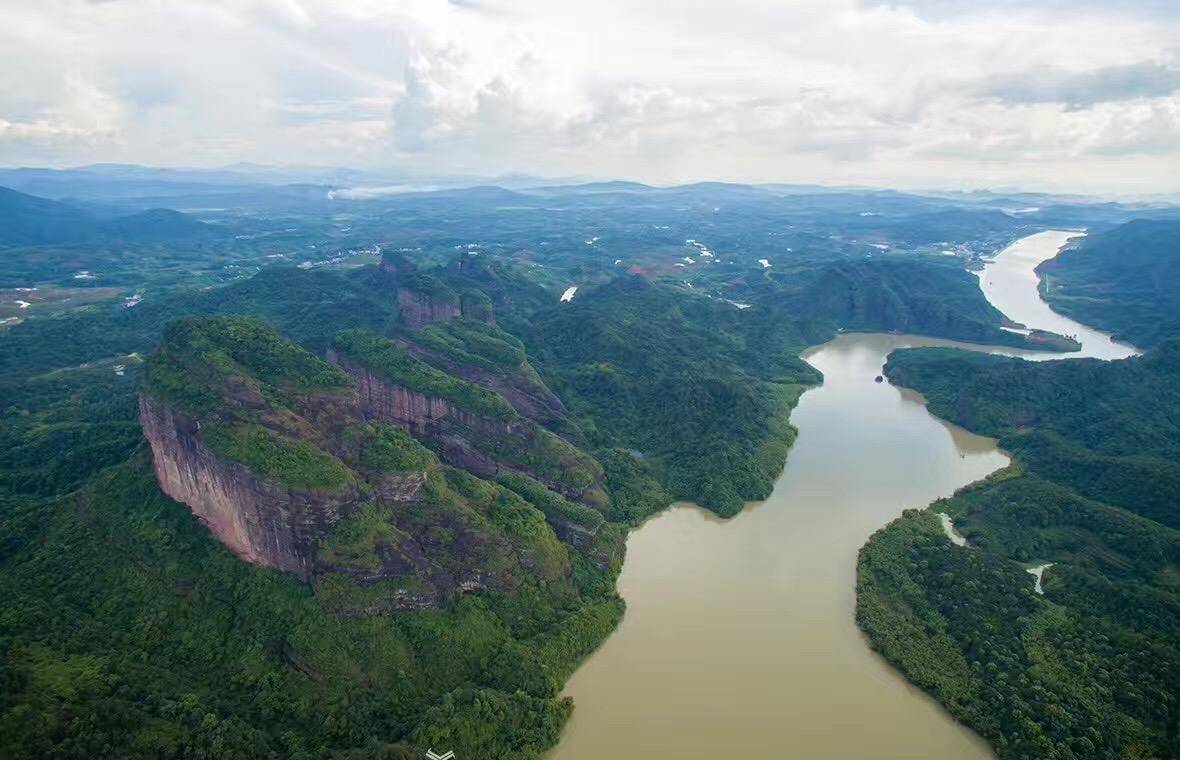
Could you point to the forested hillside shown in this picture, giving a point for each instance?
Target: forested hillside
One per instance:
(29, 220)
(1125, 280)
(424, 604)
(1091, 668)
(128, 629)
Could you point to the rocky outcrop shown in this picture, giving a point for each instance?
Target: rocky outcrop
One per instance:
(435, 419)
(530, 397)
(419, 309)
(423, 298)
(477, 307)
(401, 487)
(298, 464)
(267, 524)
(396, 263)
(461, 438)
(259, 521)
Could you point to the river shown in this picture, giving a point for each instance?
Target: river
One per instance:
(1010, 283)
(739, 638)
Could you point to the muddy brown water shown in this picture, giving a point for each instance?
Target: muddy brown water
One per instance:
(739, 638)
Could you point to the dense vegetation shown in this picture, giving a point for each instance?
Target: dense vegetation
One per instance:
(381, 448)
(681, 380)
(126, 630)
(395, 364)
(274, 456)
(900, 295)
(200, 356)
(1125, 280)
(1105, 429)
(1092, 667)
(475, 342)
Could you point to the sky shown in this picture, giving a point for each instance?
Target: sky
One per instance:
(1062, 95)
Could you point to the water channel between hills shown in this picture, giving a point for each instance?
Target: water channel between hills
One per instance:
(739, 638)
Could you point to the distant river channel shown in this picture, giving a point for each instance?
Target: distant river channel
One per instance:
(739, 638)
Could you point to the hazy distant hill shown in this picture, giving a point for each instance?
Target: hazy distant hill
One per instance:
(154, 224)
(29, 220)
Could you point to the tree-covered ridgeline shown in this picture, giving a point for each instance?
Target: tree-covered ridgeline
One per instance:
(1125, 280)
(1091, 668)
(125, 629)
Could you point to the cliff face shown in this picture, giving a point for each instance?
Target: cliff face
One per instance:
(267, 524)
(314, 468)
(423, 298)
(529, 397)
(260, 521)
(419, 309)
(484, 446)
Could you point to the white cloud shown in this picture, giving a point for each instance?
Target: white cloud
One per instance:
(1082, 89)
(1065, 93)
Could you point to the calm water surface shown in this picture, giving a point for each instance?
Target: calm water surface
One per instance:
(739, 638)
(1010, 283)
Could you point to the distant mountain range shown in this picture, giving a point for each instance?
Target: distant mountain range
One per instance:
(49, 206)
(29, 220)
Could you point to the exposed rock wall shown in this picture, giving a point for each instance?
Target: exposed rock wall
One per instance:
(259, 521)
(530, 398)
(420, 309)
(434, 418)
(453, 431)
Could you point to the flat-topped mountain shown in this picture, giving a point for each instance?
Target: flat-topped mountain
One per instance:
(314, 468)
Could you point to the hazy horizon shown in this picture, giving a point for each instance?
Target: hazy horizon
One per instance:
(1067, 96)
(383, 181)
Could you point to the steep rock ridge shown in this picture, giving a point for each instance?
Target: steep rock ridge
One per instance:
(272, 449)
(261, 521)
(424, 416)
(423, 298)
(528, 396)
(453, 327)
(470, 427)
(487, 356)
(420, 305)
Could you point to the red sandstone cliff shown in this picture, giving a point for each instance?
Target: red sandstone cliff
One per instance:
(406, 539)
(530, 397)
(420, 309)
(457, 434)
(261, 522)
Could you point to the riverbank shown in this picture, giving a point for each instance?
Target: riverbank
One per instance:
(1042, 665)
(740, 635)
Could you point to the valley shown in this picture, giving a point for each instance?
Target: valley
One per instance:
(418, 470)
(761, 607)
(519, 380)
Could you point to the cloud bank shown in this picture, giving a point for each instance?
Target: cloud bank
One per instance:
(1060, 94)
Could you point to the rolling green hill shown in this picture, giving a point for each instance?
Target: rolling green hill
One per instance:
(1125, 280)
